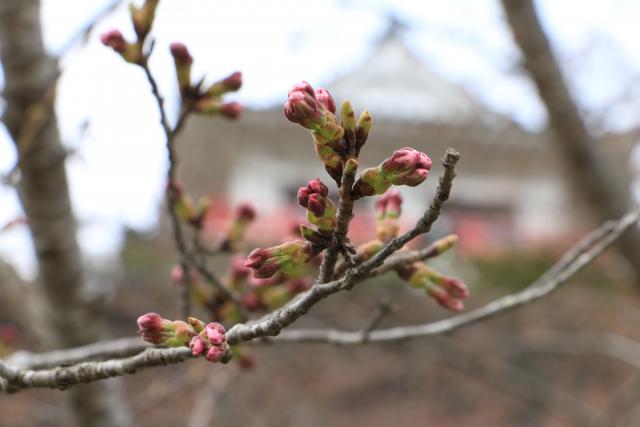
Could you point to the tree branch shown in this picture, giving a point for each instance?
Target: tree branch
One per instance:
(14, 378)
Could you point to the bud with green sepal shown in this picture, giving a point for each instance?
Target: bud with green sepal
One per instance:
(320, 209)
(449, 292)
(406, 166)
(130, 52)
(283, 258)
(388, 208)
(142, 18)
(182, 60)
(231, 83)
(157, 330)
(363, 127)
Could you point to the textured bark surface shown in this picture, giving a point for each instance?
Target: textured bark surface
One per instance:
(30, 76)
(595, 177)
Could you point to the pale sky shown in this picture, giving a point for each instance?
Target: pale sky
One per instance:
(117, 177)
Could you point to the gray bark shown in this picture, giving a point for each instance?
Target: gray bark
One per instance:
(593, 175)
(30, 77)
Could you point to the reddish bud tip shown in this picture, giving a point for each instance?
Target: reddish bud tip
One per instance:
(232, 110)
(215, 333)
(317, 204)
(233, 82)
(180, 53)
(215, 354)
(151, 328)
(114, 39)
(245, 212)
(325, 98)
(197, 346)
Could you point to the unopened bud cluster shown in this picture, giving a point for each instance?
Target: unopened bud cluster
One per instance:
(195, 97)
(208, 340)
(448, 291)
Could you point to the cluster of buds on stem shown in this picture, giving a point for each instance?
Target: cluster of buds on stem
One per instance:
(195, 97)
(388, 208)
(285, 258)
(315, 110)
(406, 166)
(321, 211)
(205, 101)
(209, 340)
(449, 292)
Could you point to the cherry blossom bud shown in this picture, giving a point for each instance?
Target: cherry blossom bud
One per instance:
(196, 324)
(370, 182)
(115, 40)
(445, 299)
(389, 204)
(231, 110)
(197, 346)
(153, 328)
(325, 98)
(363, 127)
(245, 212)
(130, 52)
(303, 107)
(285, 258)
(215, 333)
(143, 17)
(182, 60)
(231, 83)
(347, 116)
(406, 167)
(313, 110)
(215, 354)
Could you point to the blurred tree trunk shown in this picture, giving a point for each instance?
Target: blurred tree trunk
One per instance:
(30, 77)
(594, 176)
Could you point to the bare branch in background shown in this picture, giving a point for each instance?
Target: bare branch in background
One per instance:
(44, 194)
(593, 175)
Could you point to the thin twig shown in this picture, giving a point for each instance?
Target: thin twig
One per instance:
(580, 256)
(343, 218)
(187, 259)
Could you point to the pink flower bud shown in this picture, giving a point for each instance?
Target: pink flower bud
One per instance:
(303, 87)
(233, 82)
(197, 346)
(317, 204)
(215, 354)
(302, 107)
(303, 196)
(406, 167)
(215, 333)
(325, 98)
(180, 54)
(445, 299)
(455, 287)
(316, 186)
(389, 204)
(257, 257)
(153, 328)
(114, 39)
(231, 110)
(245, 212)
